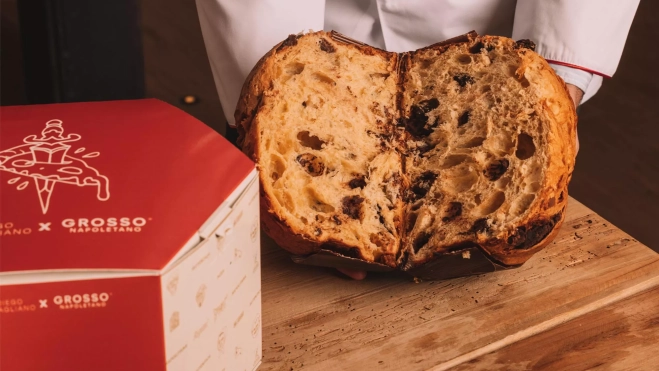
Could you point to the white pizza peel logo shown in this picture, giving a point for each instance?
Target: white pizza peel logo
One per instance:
(46, 160)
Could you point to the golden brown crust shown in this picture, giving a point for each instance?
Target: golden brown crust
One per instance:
(509, 248)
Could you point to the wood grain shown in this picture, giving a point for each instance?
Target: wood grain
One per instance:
(323, 322)
(622, 336)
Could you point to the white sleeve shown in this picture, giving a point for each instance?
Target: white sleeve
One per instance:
(237, 33)
(582, 34)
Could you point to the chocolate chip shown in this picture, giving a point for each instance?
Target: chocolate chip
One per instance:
(420, 241)
(311, 164)
(326, 46)
(358, 182)
(462, 79)
(423, 184)
(336, 219)
(304, 104)
(525, 43)
(453, 211)
(495, 169)
(352, 206)
(464, 118)
(429, 104)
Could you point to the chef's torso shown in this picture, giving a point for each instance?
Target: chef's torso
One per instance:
(404, 25)
(582, 39)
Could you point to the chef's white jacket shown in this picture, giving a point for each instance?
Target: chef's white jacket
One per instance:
(582, 39)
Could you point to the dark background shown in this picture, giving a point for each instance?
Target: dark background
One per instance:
(154, 48)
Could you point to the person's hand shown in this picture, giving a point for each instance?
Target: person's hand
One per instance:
(354, 274)
(577, 95)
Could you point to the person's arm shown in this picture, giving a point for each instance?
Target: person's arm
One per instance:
(237, 33)
(582, 39)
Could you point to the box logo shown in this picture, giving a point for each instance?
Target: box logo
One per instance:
(47, 161)
(79, 301)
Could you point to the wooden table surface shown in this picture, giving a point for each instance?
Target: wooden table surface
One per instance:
(588, 299)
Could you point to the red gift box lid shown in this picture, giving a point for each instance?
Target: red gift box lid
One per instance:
(108, 185)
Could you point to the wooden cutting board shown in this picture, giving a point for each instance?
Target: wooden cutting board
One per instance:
(314, 319)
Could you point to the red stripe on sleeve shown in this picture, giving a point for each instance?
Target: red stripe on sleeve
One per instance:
(578, 67)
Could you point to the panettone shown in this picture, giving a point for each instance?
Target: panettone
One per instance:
(461, 149)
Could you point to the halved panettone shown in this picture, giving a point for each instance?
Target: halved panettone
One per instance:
(464, 148)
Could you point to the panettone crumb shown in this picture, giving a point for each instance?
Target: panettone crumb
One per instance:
(400, 158)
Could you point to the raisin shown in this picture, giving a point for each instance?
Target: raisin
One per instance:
(476, 48)
(352, 206)
(525, 43)
(525, 238)
(429, 104)
(496, 169)
(530, 235)
(462, 79)
(311, 164)
(420, 241)
(453, 211)
(464, 118)
(479, 226)
(291, 40)
(358, 182)
(417, 122)
(326, 46)
(423, 184)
